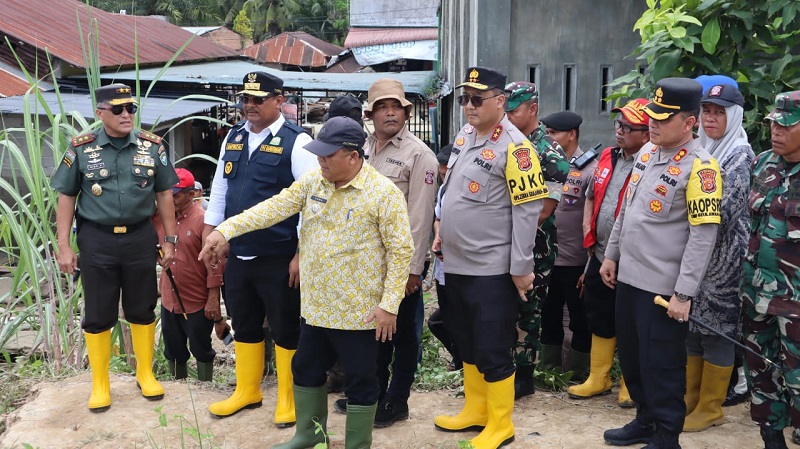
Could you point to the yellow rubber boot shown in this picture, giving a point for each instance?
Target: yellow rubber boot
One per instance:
(713, 390)
(599, 381)
(249, 369)
(143, 336)
(284, 409)
(474, 414)
(499, 430)
(694, 376)
(624, 398)
(98, 346)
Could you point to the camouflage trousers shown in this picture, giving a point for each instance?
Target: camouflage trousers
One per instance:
(529, 321)
(775, 395)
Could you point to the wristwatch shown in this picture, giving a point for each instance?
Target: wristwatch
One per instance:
(682, 298)
(171, 239)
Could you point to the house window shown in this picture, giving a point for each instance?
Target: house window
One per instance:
(570, 84)
(606, 76)
(533, 74)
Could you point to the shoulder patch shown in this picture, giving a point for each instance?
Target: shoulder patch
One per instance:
(147, 135)
(704, 193)
(83, 139)
(524, 177)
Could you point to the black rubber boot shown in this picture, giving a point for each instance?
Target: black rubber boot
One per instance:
(773, 438)
(631, 433)
(663, 440)
(523, 382)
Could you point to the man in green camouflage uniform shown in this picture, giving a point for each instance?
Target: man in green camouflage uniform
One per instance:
(771, 281)
(522, 108)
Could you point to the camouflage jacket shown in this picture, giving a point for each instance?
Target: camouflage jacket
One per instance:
(555, 168)
(771, 281)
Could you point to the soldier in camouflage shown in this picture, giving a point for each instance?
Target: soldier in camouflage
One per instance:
(522, 108)
(771, 281)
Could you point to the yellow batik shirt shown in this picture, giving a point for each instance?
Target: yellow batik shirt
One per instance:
(355, 245)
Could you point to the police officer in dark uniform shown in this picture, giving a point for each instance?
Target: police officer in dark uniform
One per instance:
(116, 176)
(260, 157)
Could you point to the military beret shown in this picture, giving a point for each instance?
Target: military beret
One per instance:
(563, 121)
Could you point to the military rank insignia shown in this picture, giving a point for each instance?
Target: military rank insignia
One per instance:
(498, 130)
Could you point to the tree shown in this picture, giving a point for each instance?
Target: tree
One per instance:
(328, 20)
(242, 26)
(271, 17)
(752, 42)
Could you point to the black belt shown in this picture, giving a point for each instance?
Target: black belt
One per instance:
(116, 229)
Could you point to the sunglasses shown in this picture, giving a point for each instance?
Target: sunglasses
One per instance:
(476, 100)
(258, 101)
(627, 129)
(117, 110)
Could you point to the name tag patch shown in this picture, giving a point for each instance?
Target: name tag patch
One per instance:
(271, 149)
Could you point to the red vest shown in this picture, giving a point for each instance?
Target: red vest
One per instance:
(602, 176)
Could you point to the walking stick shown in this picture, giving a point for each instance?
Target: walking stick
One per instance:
(172, 281)
(663, 303)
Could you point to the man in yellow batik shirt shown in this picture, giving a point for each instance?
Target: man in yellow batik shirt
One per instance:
(355, 248)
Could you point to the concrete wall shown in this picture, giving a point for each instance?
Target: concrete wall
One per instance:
(548, 35)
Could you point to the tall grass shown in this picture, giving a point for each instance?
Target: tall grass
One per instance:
(43, 304)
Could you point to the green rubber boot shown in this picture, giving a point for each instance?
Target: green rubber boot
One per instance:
(578, 363)
(358, 426)
(177, 370)
(550, 358)
(311, 407)
(205, 371)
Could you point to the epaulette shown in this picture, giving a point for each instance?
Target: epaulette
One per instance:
(83, 139)
(147, 135)
(516, 136)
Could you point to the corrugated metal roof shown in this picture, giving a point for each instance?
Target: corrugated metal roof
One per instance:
(53, 25)
(364, 37)
(14, 82)
(152, 110)
(11, 84)
(296, 48)
(230, 73)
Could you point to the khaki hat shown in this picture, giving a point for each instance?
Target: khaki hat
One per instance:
(386, 88)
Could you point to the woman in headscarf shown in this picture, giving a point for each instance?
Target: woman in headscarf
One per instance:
(710, 357)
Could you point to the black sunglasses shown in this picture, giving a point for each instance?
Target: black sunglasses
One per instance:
(258, 101)
(476, 100)
(117, 110)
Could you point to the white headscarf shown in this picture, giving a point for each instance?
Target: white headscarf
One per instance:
(734, 135)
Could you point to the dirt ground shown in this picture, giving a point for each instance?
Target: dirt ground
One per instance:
(56, 417)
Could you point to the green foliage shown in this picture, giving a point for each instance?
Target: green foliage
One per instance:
(752, 42)
(243, 26)
(187, 430)
(318, 429)
(552, 380)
